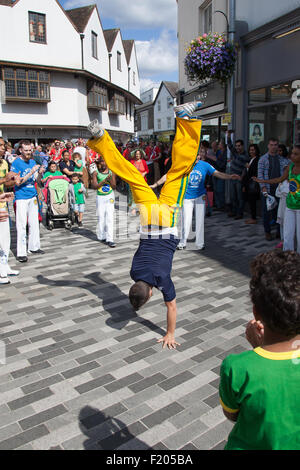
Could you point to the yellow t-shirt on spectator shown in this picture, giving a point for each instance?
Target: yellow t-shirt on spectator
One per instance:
(3, 173)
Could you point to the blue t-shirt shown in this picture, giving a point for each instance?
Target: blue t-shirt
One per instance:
(196, 186)
(152, 263)
(27, 189)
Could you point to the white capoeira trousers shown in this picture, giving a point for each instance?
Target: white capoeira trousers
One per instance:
(27, 210)
(105, 206)
(291, 228)
(188, 206)
(4, 247)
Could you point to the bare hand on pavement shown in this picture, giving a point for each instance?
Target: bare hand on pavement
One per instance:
(168, 340)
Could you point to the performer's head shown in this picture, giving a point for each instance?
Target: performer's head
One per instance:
(139, 294)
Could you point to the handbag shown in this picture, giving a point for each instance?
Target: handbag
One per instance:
(253, 188)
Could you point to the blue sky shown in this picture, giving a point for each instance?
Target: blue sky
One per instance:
(152, 24)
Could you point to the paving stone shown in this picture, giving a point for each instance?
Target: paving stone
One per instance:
(176, 380)
(31, 398)
(162, 415)
(99, 417)
(42, 417)
(123, 436)
(23, 438)
(95, 383)
(68, 329)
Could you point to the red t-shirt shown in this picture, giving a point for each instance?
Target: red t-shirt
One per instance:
(55, 154)
(141, 166)
(126, 154)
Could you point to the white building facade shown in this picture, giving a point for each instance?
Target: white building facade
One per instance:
(57, 74)
(164, 117)
(144, 115)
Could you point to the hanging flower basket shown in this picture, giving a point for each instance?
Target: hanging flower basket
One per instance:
(210, 56)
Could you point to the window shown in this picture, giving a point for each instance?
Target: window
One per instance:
(29, 85)
(94, 45)
(169, 102)
(116, 104)
(169, 122)
(158, 123)
(119, 62)
(37, 27)
(133, 78)
(97, 95)
(207, 19)
(158, 106)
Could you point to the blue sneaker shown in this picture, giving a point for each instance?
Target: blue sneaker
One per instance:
(185, 111)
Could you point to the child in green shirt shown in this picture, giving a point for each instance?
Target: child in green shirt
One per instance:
(52, 171)
(77, 191)
(76, 157)
(259, 389)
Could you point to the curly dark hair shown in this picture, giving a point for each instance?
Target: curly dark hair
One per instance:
(275, 290)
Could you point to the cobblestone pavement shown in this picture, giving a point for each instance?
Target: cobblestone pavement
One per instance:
(83, 371)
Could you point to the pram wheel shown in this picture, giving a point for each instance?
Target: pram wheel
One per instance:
(50, 225)
(68, 224)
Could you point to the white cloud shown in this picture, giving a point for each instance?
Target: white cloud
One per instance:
(147, 84)
(157, 56)
(135, 14)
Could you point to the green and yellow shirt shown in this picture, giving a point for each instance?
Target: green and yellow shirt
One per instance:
(106, 189)
(3, 173)
(264, 387)
(293, 198)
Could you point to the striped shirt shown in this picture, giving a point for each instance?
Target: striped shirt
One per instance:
(264, 167)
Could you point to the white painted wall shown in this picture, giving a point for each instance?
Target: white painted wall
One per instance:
(98, 66)
(259, 12)
(68, 105)
(134, 88)
(63, 42)
(149, 95)
(165, 110)
(117, 77)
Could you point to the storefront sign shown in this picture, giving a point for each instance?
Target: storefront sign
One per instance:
(35, 132)
(211, 94)
(226, 119)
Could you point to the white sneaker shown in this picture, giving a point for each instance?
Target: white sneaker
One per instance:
(186, 110)
(96, 129)
(4, 280)
(181, 247)
(12, 272)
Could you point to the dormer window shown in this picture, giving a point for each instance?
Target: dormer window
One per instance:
(37, 27)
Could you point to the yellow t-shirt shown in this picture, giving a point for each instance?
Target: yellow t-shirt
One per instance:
(3, 173)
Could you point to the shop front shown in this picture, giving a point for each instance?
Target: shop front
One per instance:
(269, 104)
(272, 113)
(213, 95)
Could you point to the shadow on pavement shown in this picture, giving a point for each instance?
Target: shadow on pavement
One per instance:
(109, 294)
(115, 433)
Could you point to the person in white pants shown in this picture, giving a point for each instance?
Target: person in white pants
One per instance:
(26, 203)
(195, 196)
(105, 182)
(292, 213)
(5, 269)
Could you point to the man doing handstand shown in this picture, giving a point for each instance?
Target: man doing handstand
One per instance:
(152, 263)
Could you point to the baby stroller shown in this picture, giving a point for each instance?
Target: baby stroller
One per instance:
(57, 198)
